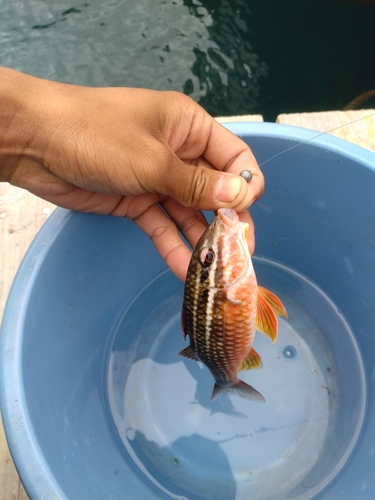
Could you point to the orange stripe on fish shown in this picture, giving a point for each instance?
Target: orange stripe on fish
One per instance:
(223, 306)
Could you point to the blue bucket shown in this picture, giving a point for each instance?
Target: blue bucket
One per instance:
(97, 405)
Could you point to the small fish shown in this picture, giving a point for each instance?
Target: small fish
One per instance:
(223, 306)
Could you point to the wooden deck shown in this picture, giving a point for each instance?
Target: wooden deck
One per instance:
(22, 214)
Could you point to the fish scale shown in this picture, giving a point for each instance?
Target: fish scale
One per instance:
(223, 306)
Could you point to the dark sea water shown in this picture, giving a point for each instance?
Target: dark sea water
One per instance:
(232, 56)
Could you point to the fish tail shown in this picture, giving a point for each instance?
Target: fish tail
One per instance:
(239, 388)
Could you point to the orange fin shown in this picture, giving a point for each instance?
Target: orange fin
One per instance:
(266, 320)
(268, 307)
(188, 353)
(252, 361)
(273, 301)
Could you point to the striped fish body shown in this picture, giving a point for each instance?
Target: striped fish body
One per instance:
(223, 306)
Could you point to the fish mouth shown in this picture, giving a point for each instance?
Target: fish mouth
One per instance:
(228, 216)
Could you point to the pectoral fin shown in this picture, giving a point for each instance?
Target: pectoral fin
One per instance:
(266, 321)
(273, 301)
(188, 353)
(267, 308)
(252, 361)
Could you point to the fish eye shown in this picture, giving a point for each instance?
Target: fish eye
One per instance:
(207, 256)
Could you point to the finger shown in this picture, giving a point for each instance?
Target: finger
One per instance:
(190, 222)
(220, 147)
(224, 149)
(166, 238)
(194, 186)
(229, 153)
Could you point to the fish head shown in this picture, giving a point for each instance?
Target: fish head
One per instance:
(222, 253)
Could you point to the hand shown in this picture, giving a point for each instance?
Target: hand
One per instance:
(155, 157)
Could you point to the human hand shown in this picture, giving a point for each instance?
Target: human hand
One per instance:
(155, 157)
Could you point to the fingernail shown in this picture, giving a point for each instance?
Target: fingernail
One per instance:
(228, 188)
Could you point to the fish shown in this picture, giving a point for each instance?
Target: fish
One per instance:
(223, 306)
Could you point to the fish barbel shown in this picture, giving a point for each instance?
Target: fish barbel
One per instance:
(224, 306)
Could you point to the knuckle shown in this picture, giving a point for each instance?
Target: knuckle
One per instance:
(159, 233)
(197, 189)
(171, 253)
(189, 223)
(179, 98)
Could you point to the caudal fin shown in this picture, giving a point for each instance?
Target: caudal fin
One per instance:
(239, 388)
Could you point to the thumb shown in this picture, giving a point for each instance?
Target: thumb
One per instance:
(205, 188)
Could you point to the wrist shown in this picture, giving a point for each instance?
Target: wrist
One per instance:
(20, 102)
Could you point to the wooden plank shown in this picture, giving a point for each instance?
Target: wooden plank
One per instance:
(22, 495)
(9, 482)
(21, 216)
(354, 126)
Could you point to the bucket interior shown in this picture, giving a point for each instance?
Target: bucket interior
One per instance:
(109, 410)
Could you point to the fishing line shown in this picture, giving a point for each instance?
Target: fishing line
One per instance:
(315, 136)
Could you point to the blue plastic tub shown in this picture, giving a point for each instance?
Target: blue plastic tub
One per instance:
(96, 404)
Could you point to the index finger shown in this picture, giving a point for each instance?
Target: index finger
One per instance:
(227, 152)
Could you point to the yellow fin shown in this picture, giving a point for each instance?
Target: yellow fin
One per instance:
(267, 308)
(266, 321)
(252, 361)
(273, 301)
